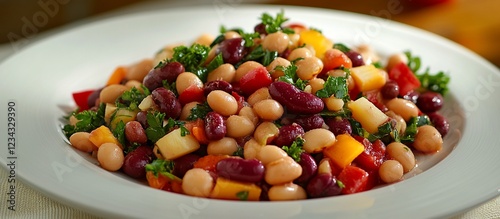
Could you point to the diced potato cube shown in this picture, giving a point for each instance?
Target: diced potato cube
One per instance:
(146, 103)
(227, 189)
(367, 114)
(124, 115)
(109, 111)
(173, 145)
(368, 77)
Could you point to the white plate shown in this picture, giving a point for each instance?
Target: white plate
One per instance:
(41, 78)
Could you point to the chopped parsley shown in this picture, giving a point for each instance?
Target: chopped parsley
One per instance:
(242, 195)
(290, 75)
(88, 120)
(119, 132)
(155, 131)
(163, 167)
(173, 124)
(192, 58)
(259, 54)
(273, 25)
(341, 47)
(170, 86)
(336, 86)
(437, 82)
(411, 127)
(295, 149)
(131, 99)
(215, 63)
(199, 111)
(238, 152)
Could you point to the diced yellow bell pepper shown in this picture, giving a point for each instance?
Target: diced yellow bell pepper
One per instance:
(366, 113)
(344, 151)
(103, 135)
(317, 40)
(227, 189)
(368, 77)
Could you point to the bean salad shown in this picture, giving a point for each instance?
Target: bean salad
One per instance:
(278, 113)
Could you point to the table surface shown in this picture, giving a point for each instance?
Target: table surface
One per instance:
(32, 204)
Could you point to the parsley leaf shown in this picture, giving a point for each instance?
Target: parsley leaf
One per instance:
(131, 99)
(242, 195)
(238, 152)
(411, 127)
(273, 25)
(215, 63)
(192, 58)
(88, 120)
(199, 111)
(413, 61)
(217, 40)
(437, 82)
(341, 47)
(259, 54)
(173, 124)
(155, 131)
(163, 167)
(290, 76)
(295, 149)
(170, 86)
(119, 132)
(336, 86)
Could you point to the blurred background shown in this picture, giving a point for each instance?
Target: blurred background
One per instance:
(474, 24)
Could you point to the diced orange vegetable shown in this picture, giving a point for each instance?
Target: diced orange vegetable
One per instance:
(227, 189)
(156, 182)
(200, 135)
(208, 162)
(368, 77)
(344, 151)
(366, 113)
(117, 76)
(317, 40)
(103, 135)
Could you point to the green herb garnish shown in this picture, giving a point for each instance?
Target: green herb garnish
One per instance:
(336, 86)
(199, 111)
(295, 149)
(88, 120)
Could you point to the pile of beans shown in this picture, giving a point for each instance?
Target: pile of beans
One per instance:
(253, 115)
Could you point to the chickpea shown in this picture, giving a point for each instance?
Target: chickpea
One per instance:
(239, 126)
(244, 68)
(316, 84)
(251, 149)
(334, 104)
(231, 35)
(300, 53)
(390, 171)
(186, 110)
(318, 139)
(258, 95)
(289, 191)
(110, 156)
(282, 171)
(277, 41)
(224, 146)
(224, 72)
(325, 166)
(110, 93)
(270, 153)
(311, 48)
(269, 109)
(248, 112)
(294, 39)
(402, 107)
(402, 154)
(186, 79)
(271, 68)
(205, 39)
(309, 67)
(222, 103)
(428, 139)
(139, 70)
(133, 83)
(80, 140)
(396, 59)
(197, 182)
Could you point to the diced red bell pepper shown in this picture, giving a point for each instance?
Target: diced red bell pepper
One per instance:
(373, 156)
(404, 77)
(253, 80)
(192, 94)
(354, 179)
(239, 99)
(81, 98)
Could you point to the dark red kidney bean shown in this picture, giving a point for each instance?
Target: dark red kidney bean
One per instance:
(390, 90)
(184, 163)
(339, 125)
(152, 80)
(215, 127)
(233, 50)
(265, 190)
(260, 28)
(309, 168)
(217, 85)
(167, 102)
(238, 169)
(135, 161)
(412, 96)
(287, 134)
(356, 58)
(295, 100)
(169, 71)
(141, 117)
(309, 122)
(91, 100)
(440, 123)
(323, 185)
(135, 133)
(430, 102)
